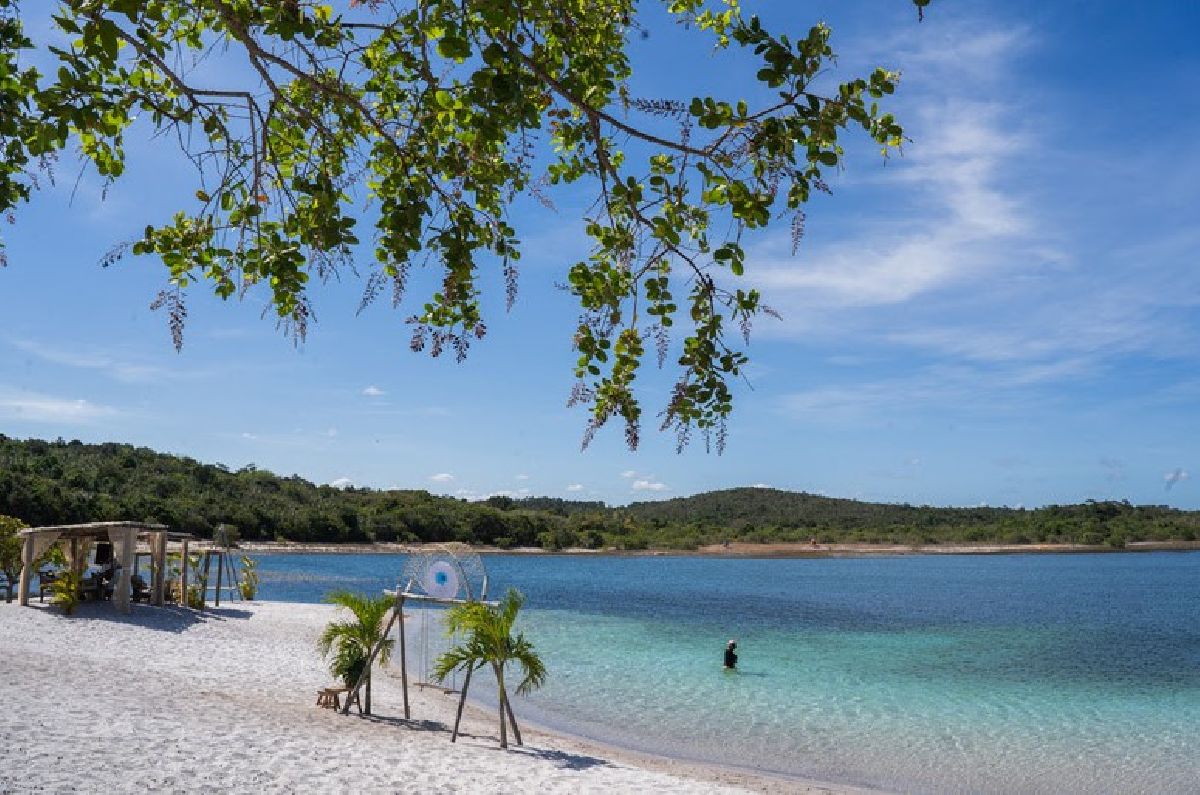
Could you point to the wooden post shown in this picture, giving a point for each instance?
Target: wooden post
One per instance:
(184, 565)
(362, 678)
(128, 553)
(403, 656)
(160, 567)
(462, 702)
(233, 583)
(26, 570)
(220, 560)
(204, 578)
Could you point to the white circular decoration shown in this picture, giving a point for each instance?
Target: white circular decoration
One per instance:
(441, 580)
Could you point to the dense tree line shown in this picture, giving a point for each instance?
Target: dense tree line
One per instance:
(62, 482)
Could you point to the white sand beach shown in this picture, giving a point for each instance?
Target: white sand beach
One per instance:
(167, 698)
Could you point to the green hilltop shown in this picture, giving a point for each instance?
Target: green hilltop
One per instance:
(63, 482)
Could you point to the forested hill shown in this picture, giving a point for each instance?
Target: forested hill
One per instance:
(61, 482)
(764, 506)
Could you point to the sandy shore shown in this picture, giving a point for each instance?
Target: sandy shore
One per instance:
(167, 698)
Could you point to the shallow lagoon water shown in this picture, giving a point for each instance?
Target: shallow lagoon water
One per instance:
(1031, 673)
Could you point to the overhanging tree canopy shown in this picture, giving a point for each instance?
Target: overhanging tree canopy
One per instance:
(437, 113)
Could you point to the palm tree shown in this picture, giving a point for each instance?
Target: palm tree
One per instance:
(489, 641)
(351, 641)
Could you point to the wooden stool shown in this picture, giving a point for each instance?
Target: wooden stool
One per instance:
(330, 697)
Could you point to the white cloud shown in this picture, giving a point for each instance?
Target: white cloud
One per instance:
(373, 391)
(646, 484)
(522, 477)
(994, 249)
(629, 473)
(442, 477)
(959, 223)
(761, 486)
(341, 483)
(35, 407)
(332, 432)
(575, 487)
(248, 435)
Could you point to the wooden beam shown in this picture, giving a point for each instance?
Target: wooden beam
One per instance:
(26, 571)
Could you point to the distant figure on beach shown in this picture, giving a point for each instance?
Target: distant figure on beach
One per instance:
(731, 655)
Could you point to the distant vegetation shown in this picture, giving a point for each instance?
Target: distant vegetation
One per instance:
(62, 482)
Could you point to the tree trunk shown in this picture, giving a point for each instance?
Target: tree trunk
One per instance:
(368, 707)
(503, 697)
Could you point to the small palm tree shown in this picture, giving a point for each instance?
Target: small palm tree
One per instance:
(489, 641)
(351, 641)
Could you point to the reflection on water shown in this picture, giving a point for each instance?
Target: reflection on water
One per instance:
(984, 674)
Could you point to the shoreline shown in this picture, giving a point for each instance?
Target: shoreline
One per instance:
(542, 727)
(223, 700)
(736, 549)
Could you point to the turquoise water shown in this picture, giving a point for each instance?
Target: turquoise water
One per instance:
(1046, 673)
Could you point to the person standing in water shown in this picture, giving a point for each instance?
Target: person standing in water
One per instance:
(731, 655)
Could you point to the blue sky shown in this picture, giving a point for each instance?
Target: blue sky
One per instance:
(1007, 314)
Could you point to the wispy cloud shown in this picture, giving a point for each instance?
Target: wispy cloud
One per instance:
(649, 484)
(373, 391)
(82, 358)
(629, 473)
(442, 477)
(36, 407)
(341, 483)
(575, 487)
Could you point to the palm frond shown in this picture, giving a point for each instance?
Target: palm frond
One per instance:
(351, 640)
(524, 655)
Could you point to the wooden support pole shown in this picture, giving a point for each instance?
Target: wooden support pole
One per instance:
(233, 584)
(184, 565)
(124, 579)
(462, 702)
(204, 578)
(403, 656)
(512, 718)
(220, 562)
(26, 571)
(362, 678)
(159, 559)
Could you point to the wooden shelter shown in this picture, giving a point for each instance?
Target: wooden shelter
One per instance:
(124, 537)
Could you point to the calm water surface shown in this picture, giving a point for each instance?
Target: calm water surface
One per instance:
(1025, 673)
